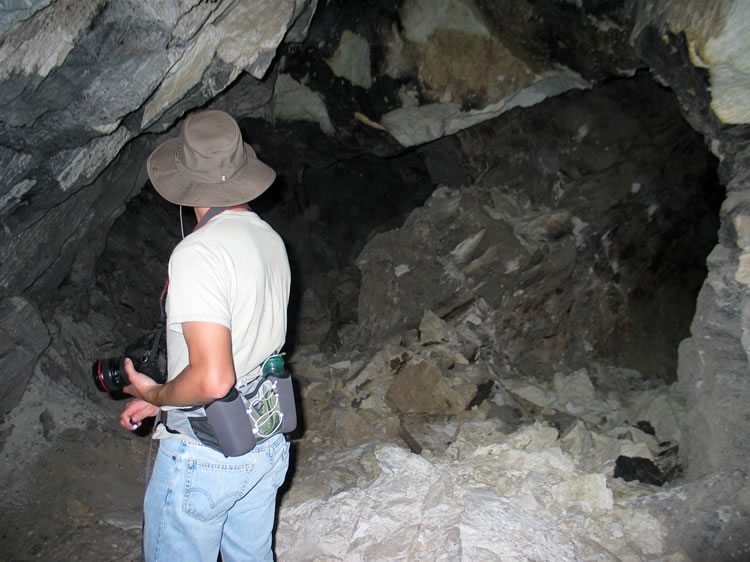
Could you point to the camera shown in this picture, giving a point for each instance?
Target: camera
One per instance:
(109, 374)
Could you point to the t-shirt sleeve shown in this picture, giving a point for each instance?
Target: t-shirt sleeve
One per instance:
(197, 289)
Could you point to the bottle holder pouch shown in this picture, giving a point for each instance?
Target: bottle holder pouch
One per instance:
(263, 407)
(282, 401)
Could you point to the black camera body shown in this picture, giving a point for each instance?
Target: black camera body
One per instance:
(109, 374)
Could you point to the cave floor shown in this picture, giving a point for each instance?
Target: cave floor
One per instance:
(72, 481)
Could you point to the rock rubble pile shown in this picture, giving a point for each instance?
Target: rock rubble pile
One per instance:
(419, 452)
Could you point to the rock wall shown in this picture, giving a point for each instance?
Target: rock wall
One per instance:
(79, 81)
(713, 362)
(680, 43)
(87, 86)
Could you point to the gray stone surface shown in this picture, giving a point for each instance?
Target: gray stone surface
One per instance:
(534, 267)
(412, 126)
(79, 80)
(23, 339)
(713, 362)
(352, 60)
(716, 34)
(14, 11)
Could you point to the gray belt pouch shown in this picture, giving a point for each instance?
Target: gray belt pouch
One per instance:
(233, 425)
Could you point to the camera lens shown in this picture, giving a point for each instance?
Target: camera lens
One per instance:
(109, 374)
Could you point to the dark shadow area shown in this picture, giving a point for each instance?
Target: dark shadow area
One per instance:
(644, 186)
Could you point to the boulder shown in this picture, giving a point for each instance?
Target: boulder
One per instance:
(423, 388)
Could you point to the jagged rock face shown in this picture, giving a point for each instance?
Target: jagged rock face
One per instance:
(82, 79)
(712, 365)
(89, 87)
(591, 38)
(717, 40)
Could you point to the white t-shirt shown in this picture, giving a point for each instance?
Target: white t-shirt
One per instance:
(233, 271)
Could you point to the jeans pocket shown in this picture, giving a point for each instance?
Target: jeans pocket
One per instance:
(212, 489)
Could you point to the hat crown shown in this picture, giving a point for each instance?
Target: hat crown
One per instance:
(210, 148)
(208, 164)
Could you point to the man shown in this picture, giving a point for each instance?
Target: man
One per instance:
(226, 303)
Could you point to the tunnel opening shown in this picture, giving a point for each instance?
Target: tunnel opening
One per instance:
(623, 160)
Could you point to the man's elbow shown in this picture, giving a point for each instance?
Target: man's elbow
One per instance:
(218, 386)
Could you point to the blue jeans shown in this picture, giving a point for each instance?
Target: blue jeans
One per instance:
(199, 502)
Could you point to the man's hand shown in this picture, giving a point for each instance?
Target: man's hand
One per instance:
(141, 386)
(135, 412)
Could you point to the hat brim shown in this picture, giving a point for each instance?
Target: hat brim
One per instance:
(249, 182)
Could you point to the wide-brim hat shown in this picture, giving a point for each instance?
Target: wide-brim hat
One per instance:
(208, 165)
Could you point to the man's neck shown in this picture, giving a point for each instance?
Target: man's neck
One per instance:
(200, 211)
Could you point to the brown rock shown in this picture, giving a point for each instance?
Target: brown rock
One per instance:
(422, 388)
